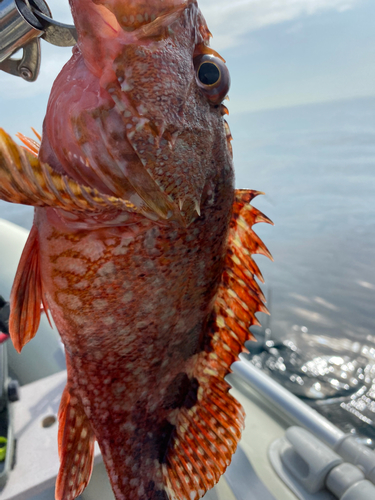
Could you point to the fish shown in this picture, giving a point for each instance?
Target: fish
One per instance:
(140, 250)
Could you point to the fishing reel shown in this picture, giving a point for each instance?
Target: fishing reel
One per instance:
(22, 24)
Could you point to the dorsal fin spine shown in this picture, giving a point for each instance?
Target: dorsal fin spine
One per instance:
(213, 426)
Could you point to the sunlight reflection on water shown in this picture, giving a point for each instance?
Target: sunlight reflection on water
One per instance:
(316, 165)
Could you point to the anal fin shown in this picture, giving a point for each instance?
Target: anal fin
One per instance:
(27, 295)
(207, 433)
(76, 448)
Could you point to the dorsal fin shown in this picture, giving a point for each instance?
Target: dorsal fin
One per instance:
(207, 433)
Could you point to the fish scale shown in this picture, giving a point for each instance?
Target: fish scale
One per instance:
(99, 265)
(141, 251)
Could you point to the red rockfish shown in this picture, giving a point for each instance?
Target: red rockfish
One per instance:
(140, 250)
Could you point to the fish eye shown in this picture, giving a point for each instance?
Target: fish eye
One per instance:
(208, 73)
(212, 77)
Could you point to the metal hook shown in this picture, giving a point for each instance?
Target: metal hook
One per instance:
(22, 23)
(60, 34)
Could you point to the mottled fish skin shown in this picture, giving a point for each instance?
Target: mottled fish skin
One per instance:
(132, 306)
(140, 251)
(126, 115)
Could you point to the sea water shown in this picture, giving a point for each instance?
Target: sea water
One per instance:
(316, 164)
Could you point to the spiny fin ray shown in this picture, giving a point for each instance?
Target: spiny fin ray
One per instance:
(213, 426)
(24, 179)
(30, 145)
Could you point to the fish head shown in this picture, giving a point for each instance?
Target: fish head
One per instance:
(138, 111)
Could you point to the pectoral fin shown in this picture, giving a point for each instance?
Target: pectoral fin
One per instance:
(26, 297)
(24, 179)
(208, 431)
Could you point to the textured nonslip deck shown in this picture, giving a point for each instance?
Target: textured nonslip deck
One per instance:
(36, 456)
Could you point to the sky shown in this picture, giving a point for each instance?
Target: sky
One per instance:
(280, 53)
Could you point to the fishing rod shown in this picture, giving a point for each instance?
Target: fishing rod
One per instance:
(22, 24)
